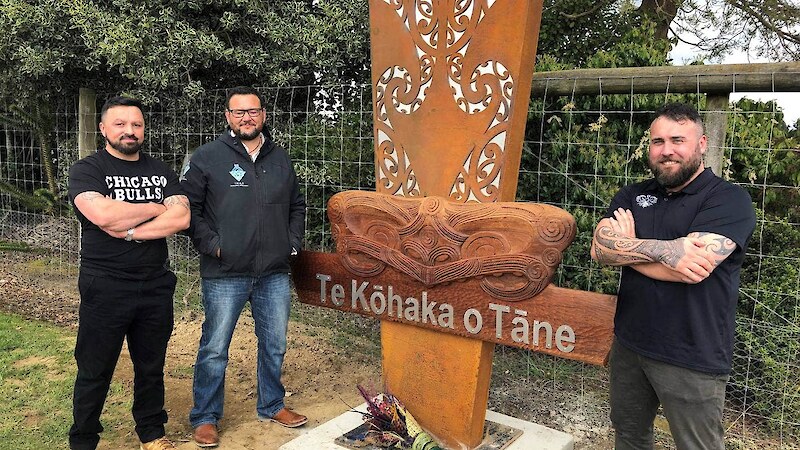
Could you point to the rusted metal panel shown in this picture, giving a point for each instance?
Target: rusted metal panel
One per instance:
(451, 82)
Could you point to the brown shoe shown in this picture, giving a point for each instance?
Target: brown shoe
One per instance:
(206, 436)
(287, 418)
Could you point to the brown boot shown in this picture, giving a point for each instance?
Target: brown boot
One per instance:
(287, 418)
(206, 436)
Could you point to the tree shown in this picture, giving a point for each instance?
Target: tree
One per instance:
(155, 49)
(764, 28)
(576, 29)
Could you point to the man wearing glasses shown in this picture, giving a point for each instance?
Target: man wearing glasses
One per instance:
(247, 220)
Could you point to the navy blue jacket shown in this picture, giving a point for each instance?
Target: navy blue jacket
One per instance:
(253, 212)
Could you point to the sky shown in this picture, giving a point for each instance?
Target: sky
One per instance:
(789, 102)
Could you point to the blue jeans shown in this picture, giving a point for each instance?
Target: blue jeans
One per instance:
(692, 401)
(223, 301)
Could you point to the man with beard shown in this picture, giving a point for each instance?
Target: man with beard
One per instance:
(127, 204)
(680, 239)
(248, 218)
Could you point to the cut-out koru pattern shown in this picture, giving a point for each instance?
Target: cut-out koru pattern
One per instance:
(437, 67)
(514, 248)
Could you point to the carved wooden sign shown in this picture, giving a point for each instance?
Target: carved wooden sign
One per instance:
(450, 89)
(479, 271)
(513, 248)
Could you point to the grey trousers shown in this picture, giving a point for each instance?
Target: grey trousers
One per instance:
(692, 401)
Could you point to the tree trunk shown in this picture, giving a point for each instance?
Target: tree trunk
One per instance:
(662, 12)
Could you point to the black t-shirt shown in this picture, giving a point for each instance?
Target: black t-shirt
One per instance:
(141, 181)
(689, 325)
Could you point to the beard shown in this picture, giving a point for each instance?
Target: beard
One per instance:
(124, 147)
(245, 136)
(673, 179)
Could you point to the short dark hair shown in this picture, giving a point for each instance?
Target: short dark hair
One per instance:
(678, 112)
(120, 101)
(242, 90)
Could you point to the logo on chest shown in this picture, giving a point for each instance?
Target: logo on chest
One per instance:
(646, 200)
(136, 189)
(238, 174)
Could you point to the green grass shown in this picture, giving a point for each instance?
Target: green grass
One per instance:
(37, 372)
(350, 331)
(15, 246)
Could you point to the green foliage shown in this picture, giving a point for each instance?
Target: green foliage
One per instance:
(160, 49)
(585, 33)
(332, 153)
(569, 32)
(637, 47)
(39, 200)
(765, 374)
(38, 119)
(766, 154)
(14, 246)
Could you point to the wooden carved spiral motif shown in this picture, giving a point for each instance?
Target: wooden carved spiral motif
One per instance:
(514, 248)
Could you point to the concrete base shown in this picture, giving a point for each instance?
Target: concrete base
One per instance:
(533, 437)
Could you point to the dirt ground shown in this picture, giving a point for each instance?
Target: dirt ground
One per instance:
(320, 380)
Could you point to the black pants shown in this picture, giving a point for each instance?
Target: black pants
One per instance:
(112, 310)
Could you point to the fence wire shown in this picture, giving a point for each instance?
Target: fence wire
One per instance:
(578, 151)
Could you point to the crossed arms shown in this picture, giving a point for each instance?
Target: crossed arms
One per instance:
(689, 259)
(115, 217)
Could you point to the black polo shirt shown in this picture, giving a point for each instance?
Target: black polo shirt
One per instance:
(689, 325)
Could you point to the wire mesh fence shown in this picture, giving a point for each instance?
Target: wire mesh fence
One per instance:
(578, 150)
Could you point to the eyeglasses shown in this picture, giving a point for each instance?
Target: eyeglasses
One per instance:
(239, 113)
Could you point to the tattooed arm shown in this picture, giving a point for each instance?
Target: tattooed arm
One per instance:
(689, 259)
(174, 219)
(115, 215)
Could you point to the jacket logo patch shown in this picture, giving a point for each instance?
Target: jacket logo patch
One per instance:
(237, 172)
(646, 200)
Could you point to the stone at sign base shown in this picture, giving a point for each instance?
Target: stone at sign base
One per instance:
(534, 437)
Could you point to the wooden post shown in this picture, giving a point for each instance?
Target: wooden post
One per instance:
(716, 123)
(87, 122)
(713, 79)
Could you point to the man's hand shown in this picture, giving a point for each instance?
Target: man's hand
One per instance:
(115, 234)
(174, 216)
(623, 223)
(689, 258)
(115, 215)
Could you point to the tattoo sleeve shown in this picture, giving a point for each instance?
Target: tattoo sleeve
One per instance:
(617, 250)
(181, 200)
(90, 196)
(719, 246)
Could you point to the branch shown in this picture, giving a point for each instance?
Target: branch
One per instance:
(762, 18)
(597, 7)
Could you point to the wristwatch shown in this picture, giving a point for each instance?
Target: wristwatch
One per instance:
(129, 236)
